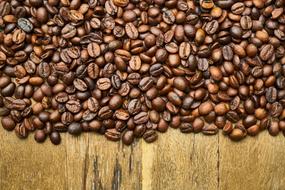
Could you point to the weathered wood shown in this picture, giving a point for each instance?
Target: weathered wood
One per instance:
(25, 165)
(186, 161)
(254, 163)
(175, 161)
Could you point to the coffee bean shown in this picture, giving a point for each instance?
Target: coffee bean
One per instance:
(205, 108)
(246, 22)
(238, 8)
(73, 106)
(271, 94)
(8, 123)
(121, 3)
(25, 25)
(55, 138)
(266, 52)
(74, 128)
(141, 118)
(128, 68)
(135, 63)
(112, 134)
(128, 137)
(93, 49)
(131, 31)
(68, 31)
(212, 27)
(236, 134)
(210, 129)
(40, 136)
(150, 136)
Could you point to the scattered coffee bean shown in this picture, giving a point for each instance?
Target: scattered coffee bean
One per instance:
(127, 69)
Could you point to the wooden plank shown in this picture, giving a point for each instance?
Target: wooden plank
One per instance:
(186, 161)
(114, 165)
(24, 164)
(254, 163)
(95, 163)
(175, 161)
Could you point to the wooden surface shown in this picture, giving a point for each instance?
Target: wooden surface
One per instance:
(175, 161)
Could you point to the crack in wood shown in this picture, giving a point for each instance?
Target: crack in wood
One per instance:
(116, 182)
(131, 160)
(218, 162)
(85, 167)
(97, 184)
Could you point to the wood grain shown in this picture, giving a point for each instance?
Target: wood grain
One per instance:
(175, 161)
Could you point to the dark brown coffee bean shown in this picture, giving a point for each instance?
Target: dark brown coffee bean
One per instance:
(203, 64)
(271, 94)
(112, 134)
(93, 104)
(232, 116)
(21, 131)
(8, 123)
(80, 85)
(146, 83)
(266, 52)
(40, 136)
(186, 128)
(74, 128)
(128, 137)
(210, 129)
(131, 31)
(168, 17)
(274, 128)
(150, 136)
(68, 31)
(227, 53)
(55, 138)
(73, 106)
(141, 118)
(212, 27)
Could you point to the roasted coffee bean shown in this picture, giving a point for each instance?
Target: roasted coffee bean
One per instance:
(150, 136)
(266, 52)
(55, 138)
(236, 134)
(112, 134)
(128, 137)
(8, 123)
(74, 128)
(68, 31)
(131, 31)
(103, 83)
(93, 49)
(40, 136)
(93, 104)
(141, 118)
(128, 69)
(212, 27)
(186, 128)
(25, 25)
(210, 129)
(271, 94)
(73, 106)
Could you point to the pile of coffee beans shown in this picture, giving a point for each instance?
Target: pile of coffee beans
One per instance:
(129, 69)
